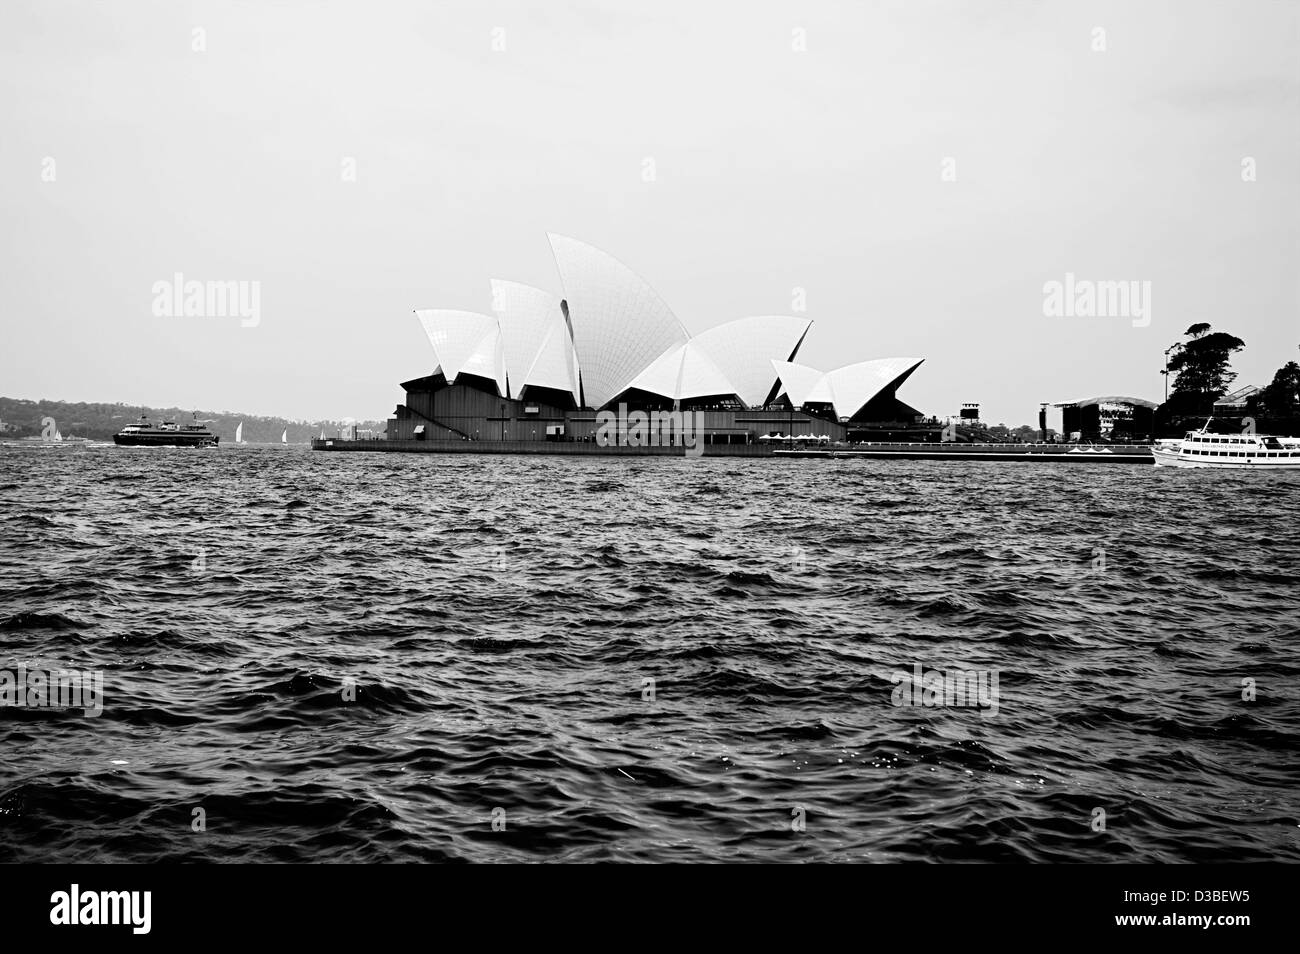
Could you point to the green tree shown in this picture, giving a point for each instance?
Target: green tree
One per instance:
(1201, 367)
(1282, 397)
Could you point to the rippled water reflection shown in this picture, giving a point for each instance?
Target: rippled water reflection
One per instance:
(502, 619)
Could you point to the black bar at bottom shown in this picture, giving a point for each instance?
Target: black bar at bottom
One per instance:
(333, 904)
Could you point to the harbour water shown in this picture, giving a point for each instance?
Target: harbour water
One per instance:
(390, 657)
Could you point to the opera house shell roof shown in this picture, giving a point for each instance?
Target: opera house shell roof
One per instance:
(611, 338)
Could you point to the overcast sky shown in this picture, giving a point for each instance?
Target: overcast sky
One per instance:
(774, 169)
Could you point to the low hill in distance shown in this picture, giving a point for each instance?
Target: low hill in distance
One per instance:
(23, 418)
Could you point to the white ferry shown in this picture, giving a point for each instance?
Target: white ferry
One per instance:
(1202, 449)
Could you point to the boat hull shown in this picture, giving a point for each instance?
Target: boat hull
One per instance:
(1172, 457)
(1174, 460)
(165, 440)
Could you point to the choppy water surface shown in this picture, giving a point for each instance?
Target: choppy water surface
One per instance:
(501, 618)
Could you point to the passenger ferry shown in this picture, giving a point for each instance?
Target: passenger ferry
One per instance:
(1202, 449)
(166, 434)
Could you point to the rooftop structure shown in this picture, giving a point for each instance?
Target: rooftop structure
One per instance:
(1112, 417)
(609, 340)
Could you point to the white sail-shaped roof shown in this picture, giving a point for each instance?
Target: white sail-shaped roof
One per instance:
(802, 384)
(848, 388)
(487, 360)
(556, 364)
(465, 341)
(855, 384)
(524, 314)
(684, 372)
(744, 349)
(620, 324)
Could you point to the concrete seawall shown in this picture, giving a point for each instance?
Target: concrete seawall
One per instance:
(1032, 453)
(1009, 453)
(578, 448)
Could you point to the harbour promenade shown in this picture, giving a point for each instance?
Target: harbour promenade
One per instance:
(1007, 453)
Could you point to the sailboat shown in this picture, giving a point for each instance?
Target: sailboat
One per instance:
(239, 433)
(284, 437)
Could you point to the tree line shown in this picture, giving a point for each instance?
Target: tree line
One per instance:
(22, 418)
(1201, 367)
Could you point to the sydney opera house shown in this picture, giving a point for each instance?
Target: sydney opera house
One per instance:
(539, 367)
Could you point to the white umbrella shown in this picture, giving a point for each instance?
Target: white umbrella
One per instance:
(765, 437)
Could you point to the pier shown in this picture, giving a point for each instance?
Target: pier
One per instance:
(991, 453)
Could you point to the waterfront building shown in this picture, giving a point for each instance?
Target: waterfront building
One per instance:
(541, 366)
(1108, 419)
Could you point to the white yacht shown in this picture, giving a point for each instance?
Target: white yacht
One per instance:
(1202, 449)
